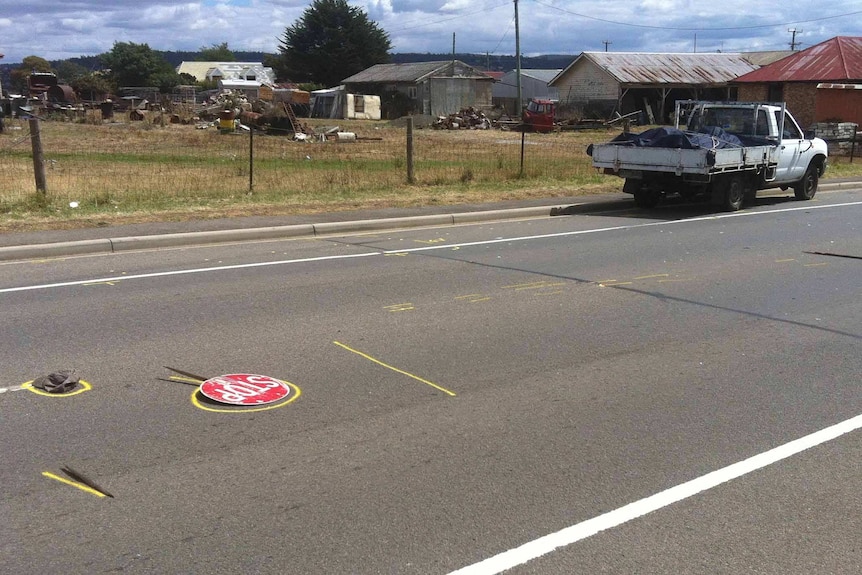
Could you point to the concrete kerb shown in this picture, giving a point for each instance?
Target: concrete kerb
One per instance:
(110, 245)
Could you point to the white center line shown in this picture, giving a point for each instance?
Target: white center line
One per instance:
(548, 543)
(412, 250)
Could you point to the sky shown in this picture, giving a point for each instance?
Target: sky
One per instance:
(60, 30)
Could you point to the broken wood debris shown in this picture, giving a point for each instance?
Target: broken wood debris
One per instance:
(467, 118)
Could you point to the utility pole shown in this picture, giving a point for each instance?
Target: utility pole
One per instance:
(518, 58)
(793, 43)
(606, 42)
(518, 72)
(453, 53)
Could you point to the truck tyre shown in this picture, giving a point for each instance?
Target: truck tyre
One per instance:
(632, 185)
(647, 198)
(805, 188)
(728, 193)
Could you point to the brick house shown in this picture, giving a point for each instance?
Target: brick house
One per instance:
(795, 79)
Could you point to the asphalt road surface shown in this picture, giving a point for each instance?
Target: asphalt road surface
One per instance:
(672, 391)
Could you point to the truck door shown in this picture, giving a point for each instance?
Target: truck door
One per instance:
(790, 168)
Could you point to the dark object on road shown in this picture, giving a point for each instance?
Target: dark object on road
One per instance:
(62, 381)
(834, 255)
(200, 378)
(84, 479)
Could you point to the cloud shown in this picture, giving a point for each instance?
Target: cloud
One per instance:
(58, 30)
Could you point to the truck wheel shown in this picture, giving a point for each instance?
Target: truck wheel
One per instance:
(728, 193)
(647, 198)
(805, 188)
(632, 185)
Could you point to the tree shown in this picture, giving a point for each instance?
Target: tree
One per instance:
(331, 41)
(20, 75)
(68, 72)
(92, 86)
(216, 53)
(136, 65)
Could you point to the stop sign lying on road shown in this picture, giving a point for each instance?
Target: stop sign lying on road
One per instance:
(245, 389)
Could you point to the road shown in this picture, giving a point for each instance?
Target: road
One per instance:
(608, 393)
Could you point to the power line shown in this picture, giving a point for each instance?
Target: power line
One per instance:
(689, 29)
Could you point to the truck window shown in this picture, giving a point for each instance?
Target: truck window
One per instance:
(791, 132)
(761, 127)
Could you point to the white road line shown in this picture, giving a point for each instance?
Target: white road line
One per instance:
(548, 543)
(14, 388)
(422, 249)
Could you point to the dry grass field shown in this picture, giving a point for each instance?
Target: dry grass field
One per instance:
(127, 172)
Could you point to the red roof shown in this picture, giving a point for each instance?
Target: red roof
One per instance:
(836, 60)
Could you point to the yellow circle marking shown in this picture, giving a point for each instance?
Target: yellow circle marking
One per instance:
(196, 402)
(84, 387)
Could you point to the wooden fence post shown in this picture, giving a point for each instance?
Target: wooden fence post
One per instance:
(38, 157)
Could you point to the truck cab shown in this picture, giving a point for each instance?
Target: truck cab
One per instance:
(538, 115)
(757, 125)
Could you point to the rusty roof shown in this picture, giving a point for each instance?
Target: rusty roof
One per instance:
(667, 69)
(835, 60)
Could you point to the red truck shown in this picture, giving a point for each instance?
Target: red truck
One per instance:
(538, 115)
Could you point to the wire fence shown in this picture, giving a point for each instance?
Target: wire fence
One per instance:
(145, 165)
(154, 165)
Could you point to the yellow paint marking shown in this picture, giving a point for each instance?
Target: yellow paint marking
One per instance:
(605, 281)
(674, 280)
(187, 379)
(196, 402)
(399, 307)
(615, 284)
(80, 486)
(519, 286)
(400, 254)
(816, 265)
(473, 297)
(534, 285)
(785, 261)
(434, 241)
(100, 283)
(652, 276)
(395, 369)
(84, 387)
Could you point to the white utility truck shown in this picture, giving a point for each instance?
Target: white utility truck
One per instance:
(725, 152)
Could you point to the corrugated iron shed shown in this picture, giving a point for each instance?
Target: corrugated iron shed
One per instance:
(630, 68)
(414, 72)
(540, 74)
(838, 59)
(765, 58)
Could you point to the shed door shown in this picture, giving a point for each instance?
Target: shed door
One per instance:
(451, 95)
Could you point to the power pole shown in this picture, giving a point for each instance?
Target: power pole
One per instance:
(606, 42)
(793, 43)
(518, 59)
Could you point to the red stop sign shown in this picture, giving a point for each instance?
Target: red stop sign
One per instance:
(245, 389)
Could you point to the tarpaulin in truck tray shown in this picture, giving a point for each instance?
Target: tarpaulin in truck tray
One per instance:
(711, 138)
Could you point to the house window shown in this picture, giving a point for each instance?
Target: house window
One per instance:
(411, 92)
(359, 104)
